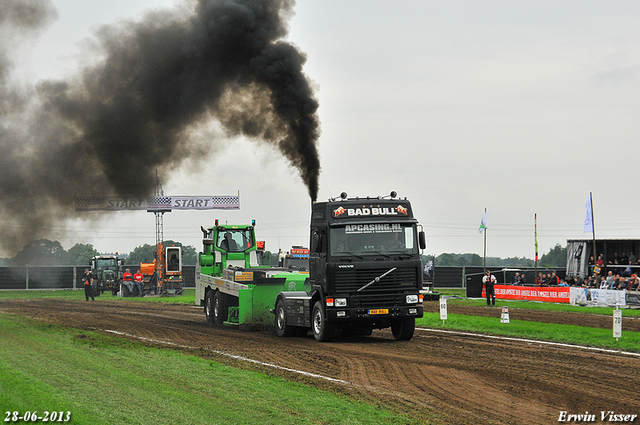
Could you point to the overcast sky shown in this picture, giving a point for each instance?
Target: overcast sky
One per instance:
(517, 107)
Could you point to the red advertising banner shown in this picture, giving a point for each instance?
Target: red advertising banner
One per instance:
(558, 294)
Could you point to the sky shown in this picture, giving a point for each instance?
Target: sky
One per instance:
(521, 108)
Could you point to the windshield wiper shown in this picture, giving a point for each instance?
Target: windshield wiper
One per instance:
(377, 279)
(351, 253)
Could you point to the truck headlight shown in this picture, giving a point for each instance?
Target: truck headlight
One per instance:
(412, 299)
(340, 302)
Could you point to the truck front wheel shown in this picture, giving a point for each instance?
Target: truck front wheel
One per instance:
(323, 331)
(281, 320)
(403, 328)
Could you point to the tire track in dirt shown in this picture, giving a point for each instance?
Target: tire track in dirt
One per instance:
(443, 378)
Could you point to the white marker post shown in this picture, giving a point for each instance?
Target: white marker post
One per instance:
(617, 323)
(504, 318)
(443, 309)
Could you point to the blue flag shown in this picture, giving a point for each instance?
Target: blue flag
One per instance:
(588, 221)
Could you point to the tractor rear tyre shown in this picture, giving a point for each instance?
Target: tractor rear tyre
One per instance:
(403, 328)
(323, 331)
(95, 289)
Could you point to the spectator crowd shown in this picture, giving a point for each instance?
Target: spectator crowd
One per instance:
(615, 281)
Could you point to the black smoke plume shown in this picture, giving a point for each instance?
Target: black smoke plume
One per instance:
(150, 83)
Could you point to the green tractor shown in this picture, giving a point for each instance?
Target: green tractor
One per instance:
(106, 271)
(231, 284)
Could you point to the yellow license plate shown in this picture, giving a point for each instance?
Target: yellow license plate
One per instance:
(379, 311)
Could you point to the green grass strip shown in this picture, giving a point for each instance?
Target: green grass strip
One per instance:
(187, 297)
(542, 306)
(107, 380)
(568, 334)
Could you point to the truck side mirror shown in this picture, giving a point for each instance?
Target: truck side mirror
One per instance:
(317, 242)
(422, 239)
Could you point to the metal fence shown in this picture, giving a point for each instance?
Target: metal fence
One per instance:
(70, 277)
(62, 277)
(460, 277)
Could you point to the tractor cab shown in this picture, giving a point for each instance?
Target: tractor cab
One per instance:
(228, 246)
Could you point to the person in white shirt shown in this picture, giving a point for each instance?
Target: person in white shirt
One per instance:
(489, 281)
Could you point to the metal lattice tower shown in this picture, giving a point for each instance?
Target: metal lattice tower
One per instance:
(159, 214)
(160, 261)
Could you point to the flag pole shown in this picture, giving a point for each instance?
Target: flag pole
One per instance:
(593, 231)
(535, 221)
(485, 245)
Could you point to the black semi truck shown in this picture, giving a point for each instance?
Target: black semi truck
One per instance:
(365, 271)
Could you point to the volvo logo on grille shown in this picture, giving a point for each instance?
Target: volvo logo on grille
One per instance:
(346, 266)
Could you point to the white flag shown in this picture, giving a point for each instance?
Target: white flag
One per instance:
(428, 267)
(588, 221)
(484, 223)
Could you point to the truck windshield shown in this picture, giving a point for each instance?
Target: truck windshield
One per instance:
(235, 240)
(373, 238)
(105, 263)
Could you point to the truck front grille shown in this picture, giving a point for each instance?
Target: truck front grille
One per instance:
(399, 280)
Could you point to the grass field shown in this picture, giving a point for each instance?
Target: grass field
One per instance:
(104, 379)
(567, 334)
(188, 297)
(101, 379)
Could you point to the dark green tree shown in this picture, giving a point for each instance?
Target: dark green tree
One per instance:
(189, 255)
(41, 252)
(556, 257)
(446, 260)
(81, 254)
(142, 254)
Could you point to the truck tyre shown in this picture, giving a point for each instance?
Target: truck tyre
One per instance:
(403, 328)
(282, 329)
(323, 331)
(208, 307)
(220, 308)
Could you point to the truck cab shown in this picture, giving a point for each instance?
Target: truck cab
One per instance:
(365, 270)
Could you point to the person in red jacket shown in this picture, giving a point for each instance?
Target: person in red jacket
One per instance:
(138, 278)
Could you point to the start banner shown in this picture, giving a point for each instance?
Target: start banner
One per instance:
(558, 294)
(159, 203)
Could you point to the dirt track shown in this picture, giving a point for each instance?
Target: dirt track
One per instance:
(439, 377)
